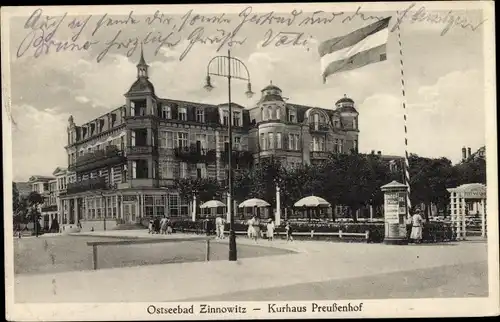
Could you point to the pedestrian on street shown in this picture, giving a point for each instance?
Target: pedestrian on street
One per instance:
(256, 228)
(289, 232)
(416, 229)
(150, 227)
(250, 230)
(270, 230)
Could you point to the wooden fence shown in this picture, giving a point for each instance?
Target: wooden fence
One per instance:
(95, 244)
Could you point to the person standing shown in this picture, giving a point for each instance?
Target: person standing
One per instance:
(270, 230)
(256, 228)
(250, 231)
(289, 231)
(416, 229)
(218, 224)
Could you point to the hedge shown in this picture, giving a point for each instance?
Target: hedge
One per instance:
(432, 231)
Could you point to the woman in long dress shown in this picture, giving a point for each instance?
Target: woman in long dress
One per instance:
(256, 228)
(250, 231)
(416, 229)
(270, 230)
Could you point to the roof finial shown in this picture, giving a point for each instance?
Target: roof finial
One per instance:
(271, 82)
(345, 95)
(141, 60)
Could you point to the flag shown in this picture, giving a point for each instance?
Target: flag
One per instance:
(356, 49)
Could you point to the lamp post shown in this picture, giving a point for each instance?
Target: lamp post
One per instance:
(229, 67)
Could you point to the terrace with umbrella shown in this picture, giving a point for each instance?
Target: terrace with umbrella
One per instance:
(312, 206)
(256, 205)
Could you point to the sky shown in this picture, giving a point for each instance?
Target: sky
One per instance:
(444, 78)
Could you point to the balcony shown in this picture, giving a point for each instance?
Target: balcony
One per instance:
(141, 150)
(109, 156)
(319, 127)
(195, 154)
(50, 208)
(86, 185)
(320, 154)
(240, 158)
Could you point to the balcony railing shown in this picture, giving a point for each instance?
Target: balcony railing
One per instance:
(109, 155)
(240, 158)
(319, 127)
(195, 154)
(86, 185)
(141, 149)
(49, 208)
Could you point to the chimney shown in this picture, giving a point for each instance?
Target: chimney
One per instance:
(373, 151)
(464, 153)
(379, 152)
(469, 152)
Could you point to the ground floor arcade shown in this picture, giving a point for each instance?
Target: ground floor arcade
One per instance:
(126, 206)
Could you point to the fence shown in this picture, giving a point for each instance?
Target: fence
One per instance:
(312, 234)
(96, 244)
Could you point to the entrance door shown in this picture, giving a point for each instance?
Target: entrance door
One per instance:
(129, 212)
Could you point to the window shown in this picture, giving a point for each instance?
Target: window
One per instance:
(292, 116)
(201, 142)
(355, 123)
(355, 145)
(200, 115)
(278, 141)
(237, 143)
(225, 117)
(264, 113)
(336, 123)
(293, 142)
(318, 143)
(182, 139)
(201, 171)
(166, 112)
(236, 118)
(163, 139)
(134, 169)
(271, 141)
(278, 113)
(182, 114)
(183, 167)
(263, 145)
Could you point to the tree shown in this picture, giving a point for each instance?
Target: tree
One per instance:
(429, 180)
(204, 189)
(35, 200)
(472, 170)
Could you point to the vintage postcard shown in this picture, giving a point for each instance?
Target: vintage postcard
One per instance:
(250, 161)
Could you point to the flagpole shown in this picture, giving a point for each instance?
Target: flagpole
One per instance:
(407, 162)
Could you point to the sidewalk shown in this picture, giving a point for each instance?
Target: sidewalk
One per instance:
(315, 262)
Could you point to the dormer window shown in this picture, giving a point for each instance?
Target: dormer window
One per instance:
(166, 112)
(236, 118)
(225, 117)
(264, 113)
(182, 114)
(200, 115)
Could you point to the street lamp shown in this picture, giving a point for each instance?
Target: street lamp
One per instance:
(229, 67)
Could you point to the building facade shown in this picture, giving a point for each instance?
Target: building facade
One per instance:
(123, 164)
(46, 187)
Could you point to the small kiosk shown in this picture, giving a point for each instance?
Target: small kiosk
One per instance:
(395, 213)
(467, 200)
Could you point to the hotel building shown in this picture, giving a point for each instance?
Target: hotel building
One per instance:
(123, 164)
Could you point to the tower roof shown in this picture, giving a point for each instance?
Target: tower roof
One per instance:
(142, 85)
(345, 99)
(271, 87)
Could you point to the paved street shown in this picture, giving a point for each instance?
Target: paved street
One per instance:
(318, 270)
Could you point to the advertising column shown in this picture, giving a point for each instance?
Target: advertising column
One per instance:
(395, 213)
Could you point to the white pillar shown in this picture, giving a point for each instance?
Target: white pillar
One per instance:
(464, 228)
(371, 212)
(75, 210)
(121, 207)
(193, 214)
(228, 215)
(483, 218)
(277, 219)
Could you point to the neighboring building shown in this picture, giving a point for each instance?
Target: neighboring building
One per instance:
(124, 163)
(468, 155)
(45, 186)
